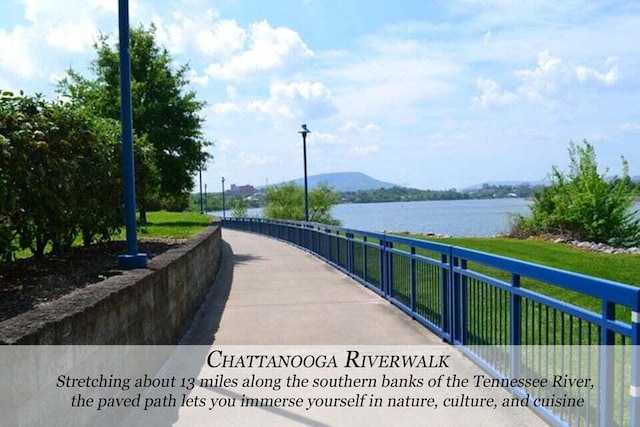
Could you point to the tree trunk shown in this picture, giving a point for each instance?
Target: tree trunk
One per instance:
(143, 216)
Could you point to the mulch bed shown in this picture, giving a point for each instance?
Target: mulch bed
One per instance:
(26, 283)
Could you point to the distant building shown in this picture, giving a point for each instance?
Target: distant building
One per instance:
(242, 190)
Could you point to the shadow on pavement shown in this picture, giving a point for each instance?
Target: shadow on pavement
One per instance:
(206, 322)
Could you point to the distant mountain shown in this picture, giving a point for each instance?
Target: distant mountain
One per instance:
(346, 181)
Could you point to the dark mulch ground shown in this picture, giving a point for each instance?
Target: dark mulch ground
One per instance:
(27, 283)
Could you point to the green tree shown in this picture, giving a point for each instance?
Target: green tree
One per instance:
(239, 209)
(286, 201)
(584, 203)
(166, 113)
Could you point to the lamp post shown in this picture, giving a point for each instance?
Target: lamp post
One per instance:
(304, 133)
(201, 199)
(205, 197)
(224, 215)
(132, 259)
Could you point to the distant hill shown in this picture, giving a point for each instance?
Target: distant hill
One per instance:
(346, 181)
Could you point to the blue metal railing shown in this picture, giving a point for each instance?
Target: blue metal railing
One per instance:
(497, 309)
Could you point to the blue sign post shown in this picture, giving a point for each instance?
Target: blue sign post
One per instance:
(132, 259)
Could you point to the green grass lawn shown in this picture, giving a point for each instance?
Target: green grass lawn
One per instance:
(171, 225)
(624, 268)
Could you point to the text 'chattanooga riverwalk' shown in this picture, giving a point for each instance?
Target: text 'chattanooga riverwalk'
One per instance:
(271, 293)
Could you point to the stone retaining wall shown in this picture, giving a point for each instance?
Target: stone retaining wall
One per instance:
(146, 306)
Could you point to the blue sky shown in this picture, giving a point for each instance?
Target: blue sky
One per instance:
(437, 94)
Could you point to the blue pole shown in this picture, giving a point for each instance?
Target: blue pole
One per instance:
(306, 186)
(132, 259)
(224, 212)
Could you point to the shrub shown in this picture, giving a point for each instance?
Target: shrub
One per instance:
(287, 202)
(239, 209)
(584, 204)
(60, 175)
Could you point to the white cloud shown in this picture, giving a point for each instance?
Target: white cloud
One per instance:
(225, 108)
(493, 95)
(108, 6)
(204, 33)
(223, 39)
(16, 53)
(269, 48)
(543, 79)
(320, 138)
(365, 149)
(607, 78)
(224, 144)
(232, 92)
(353, 127)
(75, 37)
(300, 99)
(629, 127)
(388, 80)
(249, 159)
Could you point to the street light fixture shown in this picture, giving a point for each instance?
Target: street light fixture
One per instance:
(224, 215)
(304, 133)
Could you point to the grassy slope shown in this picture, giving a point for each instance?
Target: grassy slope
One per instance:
(619, 267)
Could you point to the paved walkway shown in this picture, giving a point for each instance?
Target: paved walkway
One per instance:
(271, 293)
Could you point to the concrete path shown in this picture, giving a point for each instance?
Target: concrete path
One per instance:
(270, 293)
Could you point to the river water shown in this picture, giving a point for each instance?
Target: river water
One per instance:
(458, 218)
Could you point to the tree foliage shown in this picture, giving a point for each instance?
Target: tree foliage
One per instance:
(59, 171)
(165, 114)
(585, 204)
(239, 208)
(287, 202)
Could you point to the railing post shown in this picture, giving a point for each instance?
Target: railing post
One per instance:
(453, 318)
(412, 273)
(515, 328)
(462, 303)
(445, 311)
(634, 389)
(364, 259)
(389, 257)
(351, 259)
(383, 267)
(607, 356)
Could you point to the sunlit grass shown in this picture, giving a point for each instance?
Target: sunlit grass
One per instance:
(171, 225)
